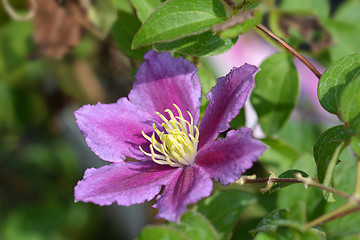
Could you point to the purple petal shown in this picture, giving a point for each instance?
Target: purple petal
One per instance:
(113, 131)
(225, 101)
(189, 185)
(163, 80)
(228, 158)
(126, 183)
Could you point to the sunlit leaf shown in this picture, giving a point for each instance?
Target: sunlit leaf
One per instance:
(355, 145)
(195, 226)
(320, 8)
(203, 44)
(350, 106)
(123, 5)
(345, 38)
(145, 7)
(161, 233)
(335, 79)
(177, 18)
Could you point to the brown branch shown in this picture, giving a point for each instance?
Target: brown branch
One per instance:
(230, 3)
(14, 15)
(232, 22)
(290, 49)
(275, 180)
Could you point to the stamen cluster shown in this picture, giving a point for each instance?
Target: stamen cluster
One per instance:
(177, 145)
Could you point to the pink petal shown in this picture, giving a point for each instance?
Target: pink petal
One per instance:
(225, 101)
(113, 131)
(189, 185)
(228, 158)
(126, 183)
(163, 80)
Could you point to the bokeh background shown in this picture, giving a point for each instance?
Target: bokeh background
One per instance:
(50, 65)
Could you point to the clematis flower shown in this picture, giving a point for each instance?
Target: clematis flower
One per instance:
(158, 125)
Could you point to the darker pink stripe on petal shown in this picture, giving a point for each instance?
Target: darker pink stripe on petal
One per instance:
(126, 183)
(228, 158)
(113, 131)
(225, 101)
(163, 80)
(189, 185)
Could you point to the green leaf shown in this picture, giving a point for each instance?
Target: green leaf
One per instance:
(177, 18)
(335, 79)
(287, 174)
(207, 81)
(301, 134)
(203, 44)
(238, 121)
(344, 180)
(123, 31)
(276, 92)
(103, 15)
(161, 233)
(326, 151)
(195, 226)
(320, 8)
(287, 234)
(145, 7)
(242, 27)
(284, 224)
(345, 38)
(312, 197)
(267, 223)
(279, 156)
(350, 106)
(355, 145)
(223, 209)
(348, 12)
(123, 5)
(15, 43)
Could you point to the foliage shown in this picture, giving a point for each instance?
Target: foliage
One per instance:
(42, 155)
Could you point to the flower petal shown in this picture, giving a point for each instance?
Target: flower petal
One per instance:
(113, 131)
(126, 183)
(163, 80)
(228, 158)
(225, 101)
(189, 185)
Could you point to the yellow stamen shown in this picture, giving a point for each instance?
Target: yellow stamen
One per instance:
(178, 143)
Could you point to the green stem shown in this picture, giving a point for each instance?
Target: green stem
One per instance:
(357, 185)
(339, 212)
(310, 182)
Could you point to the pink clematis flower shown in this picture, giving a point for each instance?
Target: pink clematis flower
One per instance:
(158, 125)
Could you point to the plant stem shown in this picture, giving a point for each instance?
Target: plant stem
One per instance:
(290, 49)
(310, 182)
(357, 185)
(348, 208)
(230, 3)
(275, 180)
(14, 15)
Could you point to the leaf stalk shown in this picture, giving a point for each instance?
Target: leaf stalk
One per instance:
(290, 49)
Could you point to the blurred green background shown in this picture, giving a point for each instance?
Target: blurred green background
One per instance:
(42, 153)
(52, 65)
